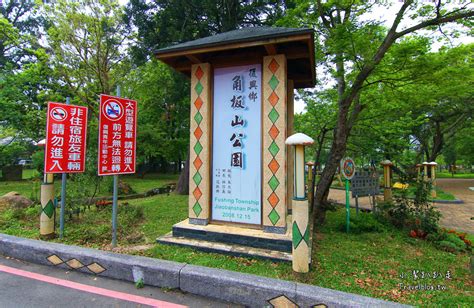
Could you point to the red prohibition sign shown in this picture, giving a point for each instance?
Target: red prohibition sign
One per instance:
(58, 114)
(112, 110)
(348, 168)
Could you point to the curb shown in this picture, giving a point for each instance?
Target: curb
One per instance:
(245, 289)
(457, 201)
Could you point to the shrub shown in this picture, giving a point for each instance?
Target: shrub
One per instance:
(417, 215)
(450, 240)
(366, 222)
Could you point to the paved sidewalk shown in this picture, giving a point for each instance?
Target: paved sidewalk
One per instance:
(454, 216)
(458, 216)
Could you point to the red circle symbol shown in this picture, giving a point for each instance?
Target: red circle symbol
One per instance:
(348, 168)
(58, 114)
(112, 109)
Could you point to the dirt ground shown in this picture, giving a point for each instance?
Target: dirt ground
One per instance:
(454, 216)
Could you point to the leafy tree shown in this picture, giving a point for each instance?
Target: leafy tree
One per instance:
(20, 26)
(87, 40)
(163, 113)
(160, 23)
(351, 47)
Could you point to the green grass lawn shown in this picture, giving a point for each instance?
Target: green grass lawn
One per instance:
(440, 194)
(456, 175)
(30, 185)
(368, 263)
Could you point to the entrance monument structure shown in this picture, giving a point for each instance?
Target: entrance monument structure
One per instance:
(241, 171)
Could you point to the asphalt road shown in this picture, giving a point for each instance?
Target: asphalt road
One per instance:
(29, 285)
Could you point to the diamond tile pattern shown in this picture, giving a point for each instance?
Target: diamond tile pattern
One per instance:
(55, 260)
(49, 209)
(273, 82)
(197, 193)
(74, 263)
(273, 99)
(273, 115)
(274, 132)
(197, 163)
(273, 199)
(274, 166)
(198, 103)
(274, 217)
(198, 148)
(197, 209)
(198, 133)
(199, 73)
(199, 88)
(198, 118)
(197, 178)
(96, 268)
(273, 66)
(273, 183)
(274, 149)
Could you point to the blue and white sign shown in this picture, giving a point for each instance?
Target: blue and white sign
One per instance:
(236, 152)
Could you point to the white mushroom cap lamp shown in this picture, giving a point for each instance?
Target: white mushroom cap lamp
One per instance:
(299, 140)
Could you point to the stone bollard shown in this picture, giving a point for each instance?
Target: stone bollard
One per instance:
(425, 171)
(387, 180)
(48, 208)
(433, 178)
(300, 226)
(300, 234)
(418, 171)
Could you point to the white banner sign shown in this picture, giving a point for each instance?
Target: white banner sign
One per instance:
(236, 153)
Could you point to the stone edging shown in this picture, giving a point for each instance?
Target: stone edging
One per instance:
(245, 289)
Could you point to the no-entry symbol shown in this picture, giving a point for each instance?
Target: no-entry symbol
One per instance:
(58, 114)
(348, 168)
(117, 135)
(112, 109)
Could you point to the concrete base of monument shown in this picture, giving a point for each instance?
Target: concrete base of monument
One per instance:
(232, 240)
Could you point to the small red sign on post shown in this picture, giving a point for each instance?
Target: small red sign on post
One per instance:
(117, 135)
(66, 133)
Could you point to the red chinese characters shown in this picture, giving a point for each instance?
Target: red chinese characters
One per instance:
(66, 133)
(117, 135)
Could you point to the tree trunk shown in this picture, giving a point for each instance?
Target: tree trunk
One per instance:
(338, 148)
(182, 188)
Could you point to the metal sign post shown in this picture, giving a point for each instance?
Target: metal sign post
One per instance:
(348, 208)
(63, 194)
(115, 199)
(117, 143)
(348, 170)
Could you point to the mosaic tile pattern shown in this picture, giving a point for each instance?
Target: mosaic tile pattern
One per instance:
(274, 130)
(75, 264)
(199, 141)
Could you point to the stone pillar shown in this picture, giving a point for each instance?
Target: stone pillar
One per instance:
(425, 171)
(48, 208)
(200, 144)
(274, 114)
(289, 155)
(418, 172)
(310, 165)
(300, 225)
(387, 180)
(300, 236)
(433, 179)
